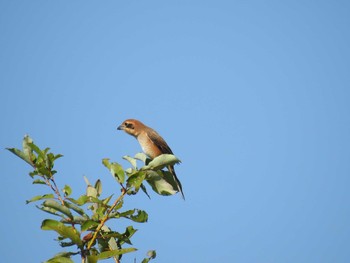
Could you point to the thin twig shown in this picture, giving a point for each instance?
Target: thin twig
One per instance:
(57, 191)
(54, 188)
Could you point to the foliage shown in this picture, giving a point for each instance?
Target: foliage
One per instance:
(80, 223)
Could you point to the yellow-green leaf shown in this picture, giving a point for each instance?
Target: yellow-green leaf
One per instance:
(116, 252)
(161, 161)
(40, 197)
(58, 207)
(62, 230)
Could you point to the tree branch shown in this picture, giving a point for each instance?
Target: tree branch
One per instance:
(103, 221)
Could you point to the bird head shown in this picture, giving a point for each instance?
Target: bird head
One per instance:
(132, 127)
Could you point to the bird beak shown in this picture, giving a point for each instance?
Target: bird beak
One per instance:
(121, 127)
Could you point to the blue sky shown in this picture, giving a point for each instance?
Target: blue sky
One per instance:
(252, 96)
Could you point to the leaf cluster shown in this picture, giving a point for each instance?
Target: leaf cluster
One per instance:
(80, 223)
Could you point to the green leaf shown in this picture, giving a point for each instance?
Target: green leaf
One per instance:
(33, 173)
(107, 241)
(98, 187)
(143, 188)
(58, 207)
(67, 190)
(141, 216)
(161, 161)
(116, 170)
(135, 180)
(63, 257)
(49, 210)
(135, 215)
(141, 156)
(91, 191)
(49, 159)
(88, 225)
(82, 200)
(27, 150)
(66, 244)
(159, 184)
(59, 260)
(21, 155)
(106, 200)
(39, 181)
(99, 212)
(127, 213)
(112, 244)
(46, 150)
(151, 255)
(116, 252)
(95, 200)
(36, 149)
(40, 197)
(129, 231)
(42, 170)
(77, 220)
(77, 209)
(120, 237)
(57, 156)
(130, 171)
(119, 205)
(169, 178)
(92, 259)
(131, 160)
(62, 230)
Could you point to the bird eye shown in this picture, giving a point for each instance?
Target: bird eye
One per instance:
(129, 125)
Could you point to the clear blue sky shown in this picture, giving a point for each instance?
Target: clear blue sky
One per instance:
(252, 96)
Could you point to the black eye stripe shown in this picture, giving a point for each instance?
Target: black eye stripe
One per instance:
(129, 125)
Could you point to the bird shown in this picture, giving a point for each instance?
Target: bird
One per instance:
(151, 143)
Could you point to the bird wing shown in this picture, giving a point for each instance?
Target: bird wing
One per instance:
(164, 148)
(159, 142)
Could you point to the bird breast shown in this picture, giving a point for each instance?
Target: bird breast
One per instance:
(148, 146)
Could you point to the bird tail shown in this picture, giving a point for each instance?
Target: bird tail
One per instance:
(178, 183)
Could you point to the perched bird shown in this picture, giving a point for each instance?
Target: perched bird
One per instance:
(151, 143)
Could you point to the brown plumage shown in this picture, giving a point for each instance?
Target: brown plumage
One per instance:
(151, 143)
